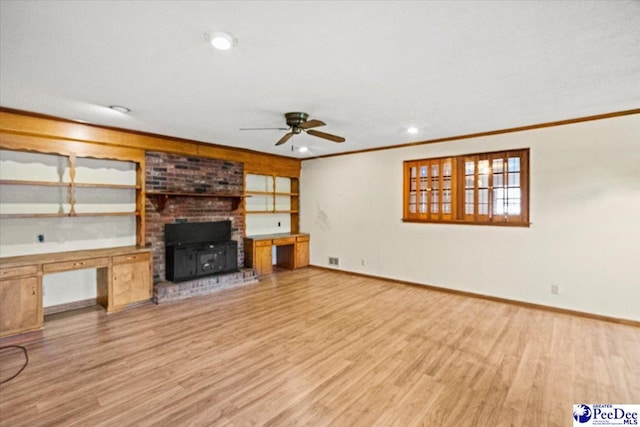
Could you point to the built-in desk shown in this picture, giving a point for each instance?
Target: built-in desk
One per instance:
(123, 277)
(292, 251)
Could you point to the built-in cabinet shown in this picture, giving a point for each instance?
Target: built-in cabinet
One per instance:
(302, 251)
(20, 300)
(259, 256)
(272, 208)
(67, 192)
(132, 280)
(124, 277)
(292, 251)
(271, 204)
(50, 181)
(74, 188)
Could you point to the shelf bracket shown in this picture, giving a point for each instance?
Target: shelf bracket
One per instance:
(162, 201)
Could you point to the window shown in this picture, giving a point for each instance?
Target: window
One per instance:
(430, 189)
(487, 188)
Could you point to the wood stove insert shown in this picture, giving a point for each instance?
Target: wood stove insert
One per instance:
(194, 250)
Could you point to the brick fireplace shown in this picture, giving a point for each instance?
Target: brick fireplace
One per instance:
(182, 174)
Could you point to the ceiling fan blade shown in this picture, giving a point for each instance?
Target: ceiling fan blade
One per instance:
(311, 124)
(285, 138)
(324, 135)
(264, 128)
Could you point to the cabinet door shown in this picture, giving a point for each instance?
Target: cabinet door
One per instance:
(264, 261)
(131, 283)
(302, 254)
(141, 282)
(20, 305)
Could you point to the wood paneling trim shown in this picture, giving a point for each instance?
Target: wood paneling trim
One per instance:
(489, 133)
(617, 320)
(31, 124)
(18, 142)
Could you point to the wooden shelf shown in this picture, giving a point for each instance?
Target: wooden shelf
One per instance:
(35, 183)
(63, 215)
(271, 190)
(187, 194)
(113, 186)
(269, 193)
(73, 187)
(66, 184)
(106, 214)
(34, 215)
(269, 212)
(163, 197)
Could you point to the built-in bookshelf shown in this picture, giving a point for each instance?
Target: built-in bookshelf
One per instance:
(271, 204)
(36, 185)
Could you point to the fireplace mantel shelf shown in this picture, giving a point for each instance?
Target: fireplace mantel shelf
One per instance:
(163, 197)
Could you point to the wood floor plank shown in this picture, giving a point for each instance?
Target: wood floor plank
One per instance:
(320, 348)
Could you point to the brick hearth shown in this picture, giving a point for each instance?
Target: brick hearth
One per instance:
(168, 291)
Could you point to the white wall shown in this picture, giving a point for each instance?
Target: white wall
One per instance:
(68, 286)
(585, 214)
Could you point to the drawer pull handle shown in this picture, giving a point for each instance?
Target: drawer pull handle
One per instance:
(75, 264)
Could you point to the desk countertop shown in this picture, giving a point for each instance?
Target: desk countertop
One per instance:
(275, 236)
(45, 258)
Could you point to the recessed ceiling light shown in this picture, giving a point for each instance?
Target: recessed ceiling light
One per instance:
(303, 149)
(120, 109)
(412, 129)
(221, 39)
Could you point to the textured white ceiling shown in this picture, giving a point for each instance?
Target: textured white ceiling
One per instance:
(368, 69)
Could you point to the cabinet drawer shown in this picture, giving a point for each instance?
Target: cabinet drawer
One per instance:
(76, 265)
(302, 239)
(124, 259)
(262, 243)
(25, 270)
(284, 241)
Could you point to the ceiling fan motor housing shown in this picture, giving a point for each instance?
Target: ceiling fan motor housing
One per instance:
(296, 119)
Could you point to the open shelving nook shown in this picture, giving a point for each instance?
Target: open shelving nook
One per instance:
(76, 183)
(270, 196)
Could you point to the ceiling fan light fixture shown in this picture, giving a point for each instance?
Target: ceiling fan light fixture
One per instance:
(221, 40)
(412, 130)
(303, 149)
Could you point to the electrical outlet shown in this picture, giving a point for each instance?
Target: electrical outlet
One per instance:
(555, 289)
(363, 262)
(334, 261)
(41, 238)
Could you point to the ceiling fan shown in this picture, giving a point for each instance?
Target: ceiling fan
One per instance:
(297, 123)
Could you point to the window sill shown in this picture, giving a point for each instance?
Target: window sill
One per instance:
(498, 224)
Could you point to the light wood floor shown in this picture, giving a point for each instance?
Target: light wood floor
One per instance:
(317, 348)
